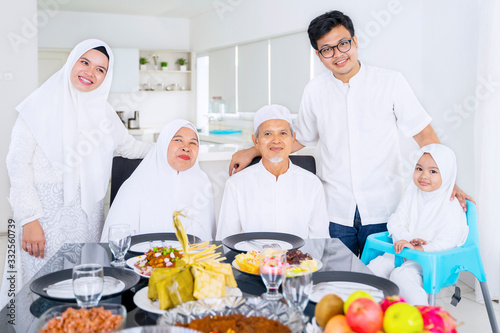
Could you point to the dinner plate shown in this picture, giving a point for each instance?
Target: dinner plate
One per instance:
(145, 246)
(40, 285)
(249, 241)
(348, 282)
(131, 261)
(144, 303)
(237, 267)
(160, 236)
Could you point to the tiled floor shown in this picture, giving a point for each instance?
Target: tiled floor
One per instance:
(471, 314)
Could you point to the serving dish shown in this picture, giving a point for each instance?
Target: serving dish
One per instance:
(57, 311)
(235, 265)
(252, 306)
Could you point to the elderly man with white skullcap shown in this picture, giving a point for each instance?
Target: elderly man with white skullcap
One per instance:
(274, 195)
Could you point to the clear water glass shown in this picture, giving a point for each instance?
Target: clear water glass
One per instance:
(88, 282)
(119, 242)
(272, 263)
(298, 286)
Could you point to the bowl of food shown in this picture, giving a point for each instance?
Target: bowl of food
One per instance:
(105, 317)
(232, 313)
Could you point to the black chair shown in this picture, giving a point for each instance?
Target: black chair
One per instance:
(124, 167)
(304, 161)
(121, 170)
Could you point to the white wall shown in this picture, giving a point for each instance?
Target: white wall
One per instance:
(432, 43)
(18, 60)
(66, 29)
(156, 108)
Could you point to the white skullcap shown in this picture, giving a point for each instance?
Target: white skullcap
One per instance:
(269, 112)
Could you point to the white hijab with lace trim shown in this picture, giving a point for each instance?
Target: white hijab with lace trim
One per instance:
(77, 131)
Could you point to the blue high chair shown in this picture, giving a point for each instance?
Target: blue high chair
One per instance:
(440, 269)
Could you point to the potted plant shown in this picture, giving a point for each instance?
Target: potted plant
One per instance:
(143, 61)
(164, 65)
(182, 64)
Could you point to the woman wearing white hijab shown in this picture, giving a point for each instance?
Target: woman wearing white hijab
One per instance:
(60, 157)
(168, 179)
(425, 220)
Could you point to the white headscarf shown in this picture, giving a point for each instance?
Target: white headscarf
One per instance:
(431, 216)
(155, 190)
(77, 131)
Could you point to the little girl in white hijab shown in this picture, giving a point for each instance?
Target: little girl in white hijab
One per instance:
(168, 179)
(425, 220)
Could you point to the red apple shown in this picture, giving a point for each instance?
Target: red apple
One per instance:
(354, 296)
(402, 317)
(365, 316)
(337, 324)
(390, 300)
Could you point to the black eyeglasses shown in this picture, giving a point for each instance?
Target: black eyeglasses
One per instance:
(343, 46)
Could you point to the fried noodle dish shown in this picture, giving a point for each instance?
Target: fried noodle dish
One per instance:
(91, 320)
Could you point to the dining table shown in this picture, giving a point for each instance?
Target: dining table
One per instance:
(28, 306)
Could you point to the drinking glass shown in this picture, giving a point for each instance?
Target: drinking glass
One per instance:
(272, 263)
(119, 242)
(88, 282)
(298, 286)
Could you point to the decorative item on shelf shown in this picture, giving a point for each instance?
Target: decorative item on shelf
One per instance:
(182, 64)
(164, 65)
(147, 87)
(133, 123)
(217, 108)
(143, 61)
(155, 60)
(121, 114)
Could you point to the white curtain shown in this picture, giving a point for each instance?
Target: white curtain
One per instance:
(487, 143)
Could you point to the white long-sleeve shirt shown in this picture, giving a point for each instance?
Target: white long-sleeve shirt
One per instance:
(255, 201)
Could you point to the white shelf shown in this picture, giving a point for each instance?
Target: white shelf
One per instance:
(162, 71)
(162, 91)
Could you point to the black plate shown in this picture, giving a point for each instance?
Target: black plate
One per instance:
(166, 236)
(129, 277)
(388, 287)
(232, 240)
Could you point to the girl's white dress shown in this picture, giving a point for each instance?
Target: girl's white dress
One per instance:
(430, 216)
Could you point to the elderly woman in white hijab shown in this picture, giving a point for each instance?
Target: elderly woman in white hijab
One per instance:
(425, 220)
(168, 179)
(60, 157)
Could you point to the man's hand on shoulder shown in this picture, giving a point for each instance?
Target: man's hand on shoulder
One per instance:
(241, 159)
(461, 196)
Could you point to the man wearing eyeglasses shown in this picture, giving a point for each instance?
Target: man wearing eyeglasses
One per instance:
(353, 117)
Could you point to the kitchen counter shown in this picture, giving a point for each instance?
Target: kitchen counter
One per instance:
(213, 147)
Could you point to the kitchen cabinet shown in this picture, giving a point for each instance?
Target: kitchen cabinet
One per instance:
(156, 79)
